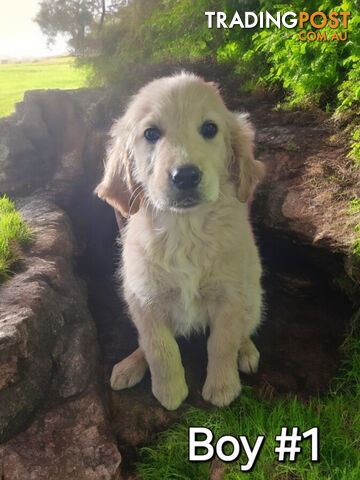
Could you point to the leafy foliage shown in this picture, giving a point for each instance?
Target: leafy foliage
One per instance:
(355, 211)
(13, 234)
(308, 70)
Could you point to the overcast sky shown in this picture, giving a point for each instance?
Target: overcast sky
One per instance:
(20, 36)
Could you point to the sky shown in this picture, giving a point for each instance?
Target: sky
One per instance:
(20, 36)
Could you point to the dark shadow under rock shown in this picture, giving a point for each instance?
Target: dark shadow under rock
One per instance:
(305, 321)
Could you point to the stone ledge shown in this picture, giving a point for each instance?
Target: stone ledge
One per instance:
(48, 356)
(70, 441)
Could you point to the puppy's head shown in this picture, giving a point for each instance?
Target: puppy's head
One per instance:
(175, 146)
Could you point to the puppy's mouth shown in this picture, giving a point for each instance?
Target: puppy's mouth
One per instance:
(186, 202)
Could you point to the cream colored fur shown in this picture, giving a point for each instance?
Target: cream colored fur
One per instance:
(186, 269)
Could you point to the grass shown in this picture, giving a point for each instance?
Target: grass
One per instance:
(16, 78)
(337, 415)
(355, 210)
(14, 233)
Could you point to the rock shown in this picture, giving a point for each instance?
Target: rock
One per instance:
(72, 440)
(53, 234)
(17, 153)
(32, 123)
(147, 415)
(307, 191)
(67, 129)
(71, 355)
(44, 140)
(217, 470)
(47, 337)
(49, 361)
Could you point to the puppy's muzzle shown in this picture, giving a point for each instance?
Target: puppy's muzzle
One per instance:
(186, 177)
(184, 181)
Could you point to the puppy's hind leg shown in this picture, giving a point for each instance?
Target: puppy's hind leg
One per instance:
(129, 371)
(248, 357)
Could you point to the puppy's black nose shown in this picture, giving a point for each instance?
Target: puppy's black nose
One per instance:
(185, 177)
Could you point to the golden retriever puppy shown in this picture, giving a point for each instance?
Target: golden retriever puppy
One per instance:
(180, 165)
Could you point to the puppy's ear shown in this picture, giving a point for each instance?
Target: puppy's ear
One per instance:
(117, 186)
(245, 171)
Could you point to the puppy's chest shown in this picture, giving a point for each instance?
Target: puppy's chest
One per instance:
(188, 258)
(186, 265)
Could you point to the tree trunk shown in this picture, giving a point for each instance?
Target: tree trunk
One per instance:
(102, 18)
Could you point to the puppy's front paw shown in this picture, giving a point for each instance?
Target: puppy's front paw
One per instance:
(170, 393)
(221, 390)
(248, 359)
(128, 372)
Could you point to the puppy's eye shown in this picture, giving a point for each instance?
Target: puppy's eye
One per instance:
(208, 129)
(152, 134)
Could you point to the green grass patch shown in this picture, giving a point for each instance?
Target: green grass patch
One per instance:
(14, 234)
(337, 415)
(16, 78)
(355, 210)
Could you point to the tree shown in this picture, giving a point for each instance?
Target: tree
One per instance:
(73, 18)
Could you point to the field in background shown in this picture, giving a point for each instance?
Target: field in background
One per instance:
(16, 78)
